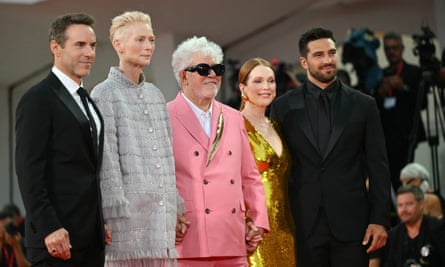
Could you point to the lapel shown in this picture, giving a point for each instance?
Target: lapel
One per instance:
(297, 103)
(69, 102)
(341, 112)
(187, 118)
(218, 117)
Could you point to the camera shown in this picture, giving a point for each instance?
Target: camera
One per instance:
(426, 50)
(11, 229)
(9, 225)
(411, 263)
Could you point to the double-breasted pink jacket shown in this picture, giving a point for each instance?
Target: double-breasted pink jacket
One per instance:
(218, 180)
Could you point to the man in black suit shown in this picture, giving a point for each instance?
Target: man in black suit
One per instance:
(336, 142)
(58, 154)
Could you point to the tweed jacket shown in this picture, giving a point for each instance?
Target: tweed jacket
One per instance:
(140, 198)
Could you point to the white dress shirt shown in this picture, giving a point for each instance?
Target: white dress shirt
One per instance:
(72, 87)
(204, 117)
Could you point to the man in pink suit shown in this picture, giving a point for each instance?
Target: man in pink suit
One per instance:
(215, 171)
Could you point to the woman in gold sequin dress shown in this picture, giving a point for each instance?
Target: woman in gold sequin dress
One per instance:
(258, 88)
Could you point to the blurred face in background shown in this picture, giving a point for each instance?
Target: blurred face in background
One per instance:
(412, 181)
(393, 51)
(4, 221)
(409, 209)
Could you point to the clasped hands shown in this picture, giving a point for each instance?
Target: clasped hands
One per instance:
(181, 228)
(254, 236)
(389, 83)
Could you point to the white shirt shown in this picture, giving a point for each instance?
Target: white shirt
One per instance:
(72, 87)
(204, 117)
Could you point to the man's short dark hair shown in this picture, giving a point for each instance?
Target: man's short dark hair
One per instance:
(4, 214)
(60, 24)
(408, 188)
(12, 208)
(312, 35)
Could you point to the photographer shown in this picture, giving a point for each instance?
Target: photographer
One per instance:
(396, 98)
(10, 243)
(418, 239)
(17, 218)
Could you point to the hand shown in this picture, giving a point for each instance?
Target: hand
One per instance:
(2, 236)
(58, 244)
(107, 230)
(378, 234)
(384, 88)
(13, 240)
(396, 82)
(181, 228)
(254, 236)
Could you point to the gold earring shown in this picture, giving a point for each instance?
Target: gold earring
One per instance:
(244, 98)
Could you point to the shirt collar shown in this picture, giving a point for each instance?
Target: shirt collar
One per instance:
(316, 91)
(69, 83)
(199, 112)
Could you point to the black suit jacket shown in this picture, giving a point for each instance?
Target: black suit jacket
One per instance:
(57, 166)
(336, 180)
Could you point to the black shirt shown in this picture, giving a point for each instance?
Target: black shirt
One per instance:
(400, 247)
(312, 95)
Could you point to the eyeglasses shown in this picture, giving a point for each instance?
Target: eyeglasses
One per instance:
(204, 69)
(392, 47)
(410, 180)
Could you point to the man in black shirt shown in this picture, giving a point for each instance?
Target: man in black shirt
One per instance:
(397, 98)
(335, 139)
(417, 239)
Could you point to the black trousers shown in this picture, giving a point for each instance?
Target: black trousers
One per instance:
(91, 257)
(322, 249)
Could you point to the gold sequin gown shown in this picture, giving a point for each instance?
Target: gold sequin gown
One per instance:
(277, 248)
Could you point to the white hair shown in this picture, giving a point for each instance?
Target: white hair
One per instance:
(119, 22)
(415, 170)
(183, 55)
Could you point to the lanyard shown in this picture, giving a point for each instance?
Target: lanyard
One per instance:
(9, 257)
(398, 72)
(399, 69)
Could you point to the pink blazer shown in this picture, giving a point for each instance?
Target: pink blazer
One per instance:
(217, 196)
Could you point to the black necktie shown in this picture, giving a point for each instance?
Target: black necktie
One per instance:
(84, 98)
(324, 122)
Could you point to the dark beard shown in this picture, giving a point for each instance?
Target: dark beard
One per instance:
(324, 78)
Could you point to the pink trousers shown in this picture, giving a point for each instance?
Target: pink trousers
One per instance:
(214, 262)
